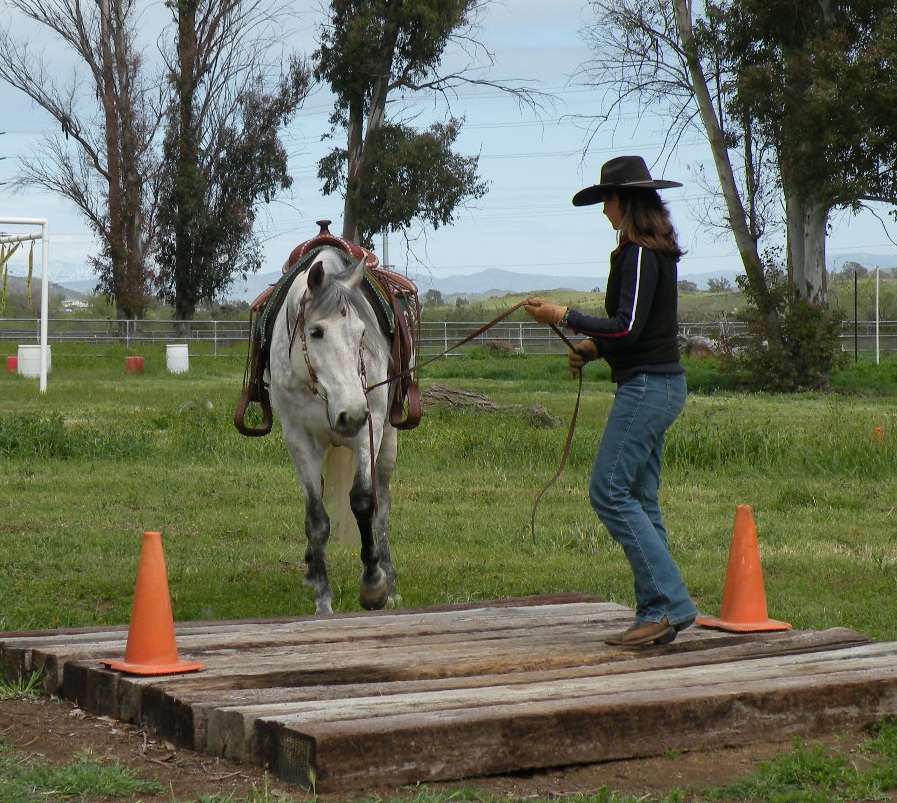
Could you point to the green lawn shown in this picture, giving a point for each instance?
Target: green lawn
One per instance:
(104, 456)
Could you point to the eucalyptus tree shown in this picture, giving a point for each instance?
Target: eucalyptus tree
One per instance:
(795, 101)
(371, 53)
(233, 91)
(799, 96)
(818, 81)
(648, 56)
(108, 113)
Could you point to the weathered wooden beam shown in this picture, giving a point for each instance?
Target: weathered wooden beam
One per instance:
(693, 708)
(466, 690)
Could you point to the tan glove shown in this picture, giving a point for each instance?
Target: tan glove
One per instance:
(583, 352)
(544, 311)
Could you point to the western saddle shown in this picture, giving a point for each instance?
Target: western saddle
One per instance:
(395, 302)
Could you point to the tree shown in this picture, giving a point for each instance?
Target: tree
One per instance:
(809, 84)
(719, 285)
(850, 269)
(433, 298)
(764, 79)
(818, 81)
(408, 175)
(102, 159)
(222, 153)
(647, 54)
(390, 173)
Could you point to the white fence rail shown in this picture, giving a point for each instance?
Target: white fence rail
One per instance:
(526, 336)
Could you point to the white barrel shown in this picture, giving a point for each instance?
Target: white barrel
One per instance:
(177, 358)
(29, 360)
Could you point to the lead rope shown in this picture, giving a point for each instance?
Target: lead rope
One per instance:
(415, 368)
(563, 463)
(300, 330)
(569, 442)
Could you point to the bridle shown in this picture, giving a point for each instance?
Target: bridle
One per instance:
(300, 329)
(316, 388)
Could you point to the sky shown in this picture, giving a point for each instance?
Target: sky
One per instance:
(533, 161)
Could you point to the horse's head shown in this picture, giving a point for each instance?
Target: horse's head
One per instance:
(329, 339)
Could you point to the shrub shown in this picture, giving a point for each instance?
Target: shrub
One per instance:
(794, 344)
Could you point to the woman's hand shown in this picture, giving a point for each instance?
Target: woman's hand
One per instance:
(544, 311)
(583, 352)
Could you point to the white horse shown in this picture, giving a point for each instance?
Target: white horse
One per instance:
(327, 349)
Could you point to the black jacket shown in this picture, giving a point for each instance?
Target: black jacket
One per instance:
(639, 334)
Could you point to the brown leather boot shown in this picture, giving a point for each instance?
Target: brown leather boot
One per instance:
(617, 638)
(658, 632)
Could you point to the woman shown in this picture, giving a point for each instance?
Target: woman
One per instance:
(638, 339)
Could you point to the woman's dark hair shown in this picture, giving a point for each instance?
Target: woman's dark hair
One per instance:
(646, 221)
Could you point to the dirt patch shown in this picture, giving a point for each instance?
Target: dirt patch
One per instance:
(58, 731)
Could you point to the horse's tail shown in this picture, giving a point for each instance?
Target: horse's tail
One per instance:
(338, 472)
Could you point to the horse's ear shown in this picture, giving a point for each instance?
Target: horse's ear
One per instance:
(356, 275)
(315, 276)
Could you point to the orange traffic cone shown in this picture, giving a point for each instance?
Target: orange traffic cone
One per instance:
(151, 648)
(744, 600)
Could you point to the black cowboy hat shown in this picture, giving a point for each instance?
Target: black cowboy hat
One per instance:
(622, 173)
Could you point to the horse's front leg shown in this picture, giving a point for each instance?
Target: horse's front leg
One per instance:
(378, 577)
(317, 532)
(374, 587)
(308, 461)
(386, 463)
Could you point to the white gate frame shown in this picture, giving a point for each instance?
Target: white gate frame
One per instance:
(44, 237)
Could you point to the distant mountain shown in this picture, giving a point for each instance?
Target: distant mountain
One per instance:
(82, 286)
(485, 283)
(491, 282)
(18, 286)
(494, 280)
(60, 272)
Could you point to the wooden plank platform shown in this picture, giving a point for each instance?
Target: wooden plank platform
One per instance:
(420, 695)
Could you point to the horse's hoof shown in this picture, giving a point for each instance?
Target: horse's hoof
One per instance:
(374, 599)
(324, 607)
(323, 602)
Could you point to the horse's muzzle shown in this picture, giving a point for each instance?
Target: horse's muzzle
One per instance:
(348, 423)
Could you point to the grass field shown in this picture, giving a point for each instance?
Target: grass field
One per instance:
(104, 456)
(694, 306)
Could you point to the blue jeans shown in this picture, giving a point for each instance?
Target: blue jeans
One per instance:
(624, 492)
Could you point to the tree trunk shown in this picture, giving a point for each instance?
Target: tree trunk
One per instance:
(116, 238)
(132, 185)
(186, 163)
(806, 231)
(354, 171)
(360, 131)
(745, 240)
(125, 243)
